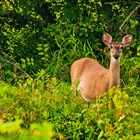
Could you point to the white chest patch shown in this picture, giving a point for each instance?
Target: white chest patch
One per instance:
(79, 88)
(115, 60)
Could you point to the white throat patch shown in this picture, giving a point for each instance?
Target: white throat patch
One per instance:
(115, 60)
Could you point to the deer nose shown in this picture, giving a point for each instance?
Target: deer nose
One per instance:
(116, 56)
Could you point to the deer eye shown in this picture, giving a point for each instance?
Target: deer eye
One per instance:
(111, 46)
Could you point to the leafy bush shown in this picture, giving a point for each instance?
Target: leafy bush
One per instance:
(39, 40)
(52, 34)
(35, 132)
(114, 115)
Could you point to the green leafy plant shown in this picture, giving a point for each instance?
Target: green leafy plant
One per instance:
(39, 40)
(113, 115)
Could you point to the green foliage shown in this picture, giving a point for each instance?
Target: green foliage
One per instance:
(35, 132)
(52, 34)
(39, 40)
(114, 115)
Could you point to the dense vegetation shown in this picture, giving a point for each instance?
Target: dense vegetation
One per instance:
(39, 40)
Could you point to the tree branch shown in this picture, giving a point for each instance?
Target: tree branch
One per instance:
(120, 28)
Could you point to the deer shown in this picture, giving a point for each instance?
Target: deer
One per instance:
(94, 79)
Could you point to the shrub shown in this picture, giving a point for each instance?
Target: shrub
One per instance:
(113, 116)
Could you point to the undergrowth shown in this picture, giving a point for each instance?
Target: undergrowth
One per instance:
(39, 40)
(45, 108)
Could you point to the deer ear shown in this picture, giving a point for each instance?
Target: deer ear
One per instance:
(126, 40)
(107, 39)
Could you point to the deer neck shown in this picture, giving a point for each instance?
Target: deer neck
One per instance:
(114, 72)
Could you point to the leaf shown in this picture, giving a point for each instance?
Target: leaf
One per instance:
(10, 127)
(100, 134)
(23, 60)
(39, 48)
(121, 118)
(41, 53)
(101, 124)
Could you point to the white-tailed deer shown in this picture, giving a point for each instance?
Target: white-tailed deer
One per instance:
(93, 78)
